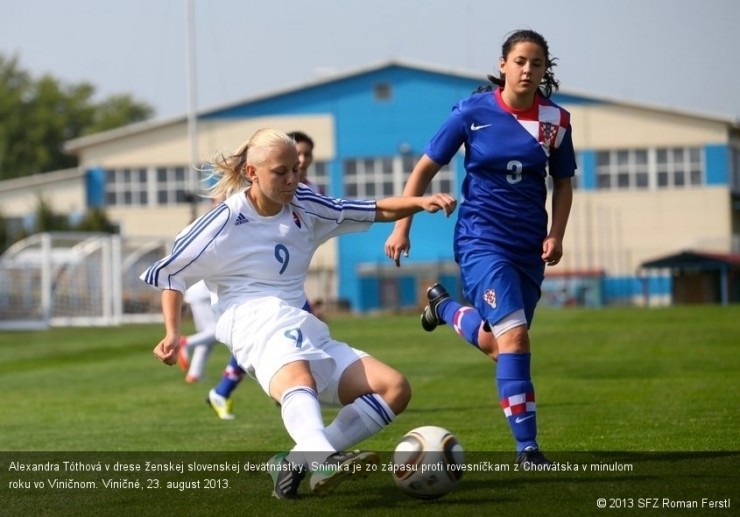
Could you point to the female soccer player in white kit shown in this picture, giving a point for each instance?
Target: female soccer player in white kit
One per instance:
(253, 251)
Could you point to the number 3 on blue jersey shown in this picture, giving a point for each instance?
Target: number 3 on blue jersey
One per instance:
(282, 256)
(516, 175)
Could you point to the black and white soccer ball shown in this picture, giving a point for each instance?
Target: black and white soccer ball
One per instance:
(428, 462)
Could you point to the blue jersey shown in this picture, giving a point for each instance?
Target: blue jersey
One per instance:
(508, 154)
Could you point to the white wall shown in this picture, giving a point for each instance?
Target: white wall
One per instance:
(63, 190)
(170, 144)
(611, 127)
(618, 230)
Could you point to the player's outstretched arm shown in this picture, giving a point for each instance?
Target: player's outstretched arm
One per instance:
(398, 242)
(394, 208)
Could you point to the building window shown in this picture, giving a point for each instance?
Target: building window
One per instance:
(577, 177)
(126, 187)
(622, 169)
(735, 175)
(679, 167)
(382, 92)
(153, 186)
(318, 175)
(172, 185)
(642, 169)
(372, 178)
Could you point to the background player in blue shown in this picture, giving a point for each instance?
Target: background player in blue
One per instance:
(253, 252)
(513, 136)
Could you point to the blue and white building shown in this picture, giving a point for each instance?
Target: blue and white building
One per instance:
(651, 181)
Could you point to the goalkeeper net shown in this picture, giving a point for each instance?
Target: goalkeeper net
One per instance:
(78, 279)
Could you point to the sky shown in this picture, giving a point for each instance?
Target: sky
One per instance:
(674, 54)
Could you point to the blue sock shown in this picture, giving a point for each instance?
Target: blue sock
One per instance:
(516, 393)
(233, 375)
(464, 320)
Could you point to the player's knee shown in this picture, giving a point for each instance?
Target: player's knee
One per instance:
(289, 376)
(514, 341)
(397, 392)
(487, 342)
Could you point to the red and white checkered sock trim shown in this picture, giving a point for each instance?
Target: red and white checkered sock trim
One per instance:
(457, 319)
(233, 374)
(517, 404)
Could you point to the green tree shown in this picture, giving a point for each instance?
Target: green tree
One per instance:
(4, 234)
(47, 220)
(15, 88)
(117, 111)
(37, 115)
(96, 220)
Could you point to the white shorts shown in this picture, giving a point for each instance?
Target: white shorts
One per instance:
(508, 322)
(266, 334)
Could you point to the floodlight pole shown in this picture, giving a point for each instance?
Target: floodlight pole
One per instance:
(192, 112)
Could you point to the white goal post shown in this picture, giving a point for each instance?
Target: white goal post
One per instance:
(62, 279)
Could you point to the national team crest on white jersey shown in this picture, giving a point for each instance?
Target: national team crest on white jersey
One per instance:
(490, 297)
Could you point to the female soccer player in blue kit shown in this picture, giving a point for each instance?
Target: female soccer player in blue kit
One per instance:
(513, 137)
(253, 252)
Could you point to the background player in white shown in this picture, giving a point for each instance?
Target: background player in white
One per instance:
(195, 349)
(219, 397)
(513, 137)
(253, 251)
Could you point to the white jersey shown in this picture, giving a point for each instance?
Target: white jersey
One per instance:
(244, 256)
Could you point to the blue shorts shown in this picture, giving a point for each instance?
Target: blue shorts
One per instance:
(497, 286)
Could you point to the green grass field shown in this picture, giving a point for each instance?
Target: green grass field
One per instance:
(653, 393)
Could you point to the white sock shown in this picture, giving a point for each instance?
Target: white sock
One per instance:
(359, 420)
(198, 361)
(302, 418)
(205, 337)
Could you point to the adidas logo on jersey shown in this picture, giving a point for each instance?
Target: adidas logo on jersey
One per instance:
(240, 219)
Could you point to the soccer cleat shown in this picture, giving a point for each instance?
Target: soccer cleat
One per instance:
(221, 405)
(183, 361)
(430, 318)
(532, 455)
(192, 379)
(286, 476)
(339, 467)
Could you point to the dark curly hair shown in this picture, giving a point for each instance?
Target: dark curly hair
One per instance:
(549, 83)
